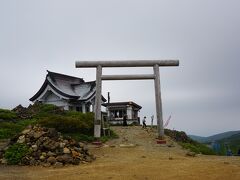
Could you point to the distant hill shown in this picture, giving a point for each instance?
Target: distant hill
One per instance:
(233, 142)
(200, 139)
(234, 139)
(215, 137)
(226, 140)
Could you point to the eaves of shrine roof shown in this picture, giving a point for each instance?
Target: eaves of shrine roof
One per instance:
(69, 87)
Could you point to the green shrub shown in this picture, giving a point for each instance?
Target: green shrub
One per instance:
(90, 138)
(24, 123)
(88, 118)
(15, 153)
(44, 110)
(198, 148)
(7, 114)
(70, 123)
(187, 143)
(9, 125)
(113, 135)
(6, 133)
(9, 129)
(80, 137)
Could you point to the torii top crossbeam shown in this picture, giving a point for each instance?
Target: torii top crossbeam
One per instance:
(127, 63)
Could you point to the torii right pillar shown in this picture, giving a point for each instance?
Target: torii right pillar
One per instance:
(158, 100)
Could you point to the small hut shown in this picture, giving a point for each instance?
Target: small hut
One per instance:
(117, 110)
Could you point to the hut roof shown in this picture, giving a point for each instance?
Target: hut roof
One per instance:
(118, 104)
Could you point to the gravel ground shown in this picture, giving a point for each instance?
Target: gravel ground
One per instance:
(135, 155)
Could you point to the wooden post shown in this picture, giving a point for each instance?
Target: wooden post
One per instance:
(98, 103)
(158, 102)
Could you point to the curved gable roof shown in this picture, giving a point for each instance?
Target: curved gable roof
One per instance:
(68, 86)
(43, 87)
(60, 83)
(62, 77)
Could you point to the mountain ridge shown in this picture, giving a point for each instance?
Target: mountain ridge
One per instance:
(214, 137)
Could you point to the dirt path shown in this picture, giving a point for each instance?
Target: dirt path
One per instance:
(141, 159)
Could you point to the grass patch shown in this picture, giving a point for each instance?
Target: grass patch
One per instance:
(15, 153)
(10, 129)
(79, 136)
(187, 143)
(113, 135)
(71, 122)
(7, 114)
(39, 111)
(198, 148)
(79, 126)
(90, 138)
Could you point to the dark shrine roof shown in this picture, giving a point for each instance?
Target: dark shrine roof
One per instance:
(67, 86)
(117, 104)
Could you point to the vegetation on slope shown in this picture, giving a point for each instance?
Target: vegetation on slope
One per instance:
(187, 143)
(232, 143)
(10, 129)
(15, 153)
(70, 123)
(221, 142)
(7, 114)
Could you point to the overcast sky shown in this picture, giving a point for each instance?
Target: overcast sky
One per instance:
(202, 94)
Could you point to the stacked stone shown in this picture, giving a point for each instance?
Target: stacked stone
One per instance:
(47, 147)
(32, 110)
(22, 112)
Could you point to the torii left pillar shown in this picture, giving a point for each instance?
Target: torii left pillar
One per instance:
(98, 102)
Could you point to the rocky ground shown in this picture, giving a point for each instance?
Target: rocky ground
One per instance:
(47, 147)
(135, 155)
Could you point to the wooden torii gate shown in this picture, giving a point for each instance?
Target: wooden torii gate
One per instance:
(127, 63)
